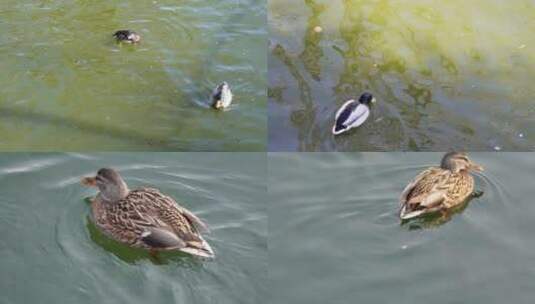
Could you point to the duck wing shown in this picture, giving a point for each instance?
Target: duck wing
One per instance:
(171, 218)
(172, 213)
(358, 116)
(350, 104)
(156, 237)
(427, 191)
(351, 114)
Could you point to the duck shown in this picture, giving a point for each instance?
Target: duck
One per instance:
(439, 189)
(144, 217)
(127, 36)
(352, 113)
(221, 96)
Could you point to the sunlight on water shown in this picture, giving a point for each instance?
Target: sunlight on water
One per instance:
(446, 73)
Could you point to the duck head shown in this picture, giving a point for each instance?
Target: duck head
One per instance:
(367, 98)
(459, 162)
(110, 184)
(222, 96)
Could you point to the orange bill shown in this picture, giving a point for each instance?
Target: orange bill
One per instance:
(89, 181)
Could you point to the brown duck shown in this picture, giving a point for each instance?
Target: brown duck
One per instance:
(144, 217)
(440, 188)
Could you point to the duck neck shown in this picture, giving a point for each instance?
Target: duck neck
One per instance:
(114, 193)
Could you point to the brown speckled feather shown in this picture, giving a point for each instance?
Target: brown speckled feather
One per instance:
(455, 186)
(128, 219)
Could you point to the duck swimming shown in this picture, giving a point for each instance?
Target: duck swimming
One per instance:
(221, 96)
(127, 36)
(440, 188)
(144, 217)
(352, 113)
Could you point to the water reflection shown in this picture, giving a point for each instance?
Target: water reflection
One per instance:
(135, 255)
(436, 69)
(436, 219)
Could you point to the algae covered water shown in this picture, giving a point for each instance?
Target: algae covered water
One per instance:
(335, 235)
(52, 253)
(446, 74)
(66, 84)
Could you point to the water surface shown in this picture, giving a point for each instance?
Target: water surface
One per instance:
(50, 252)
(335, 236)
(447, 74)
(66, 85)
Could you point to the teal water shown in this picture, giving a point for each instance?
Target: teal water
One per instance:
(67, 86)
(51, 253)
(446, 74)
(334, 234)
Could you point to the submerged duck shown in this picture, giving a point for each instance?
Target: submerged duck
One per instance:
(353, 113)
(221, 96)
(144, 217)
(440, 188)
(127, 36)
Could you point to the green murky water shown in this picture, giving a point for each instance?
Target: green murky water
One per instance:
(335, 236)
(51, 253)
(66, 85)
(447, 74)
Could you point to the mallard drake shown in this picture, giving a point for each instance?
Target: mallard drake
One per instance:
(352, 113)
(221, 96)
(127, 36)
(440, 188)
(144, 217)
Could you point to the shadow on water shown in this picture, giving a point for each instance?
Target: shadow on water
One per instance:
(435, 219)
(134, 255)
(139, 138)
(304, 118)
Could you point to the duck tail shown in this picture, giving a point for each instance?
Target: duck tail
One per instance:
(339, 129)
(199, 248)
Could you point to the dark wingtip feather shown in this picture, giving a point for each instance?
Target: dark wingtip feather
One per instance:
(339, 127)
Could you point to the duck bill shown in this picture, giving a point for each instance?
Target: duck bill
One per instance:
(374, 100)
(476, 168)
(89, 181)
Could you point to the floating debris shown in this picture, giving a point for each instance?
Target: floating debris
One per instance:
(318, 29)
(497, 148)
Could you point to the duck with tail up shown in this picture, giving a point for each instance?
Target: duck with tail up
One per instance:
(144, 217)
(352, 114)
(439, 189)
(127, 36)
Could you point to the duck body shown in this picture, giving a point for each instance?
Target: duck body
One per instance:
(221, 97)
(146, 218)
(439, 188)
(352, 114)
(127, 36)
